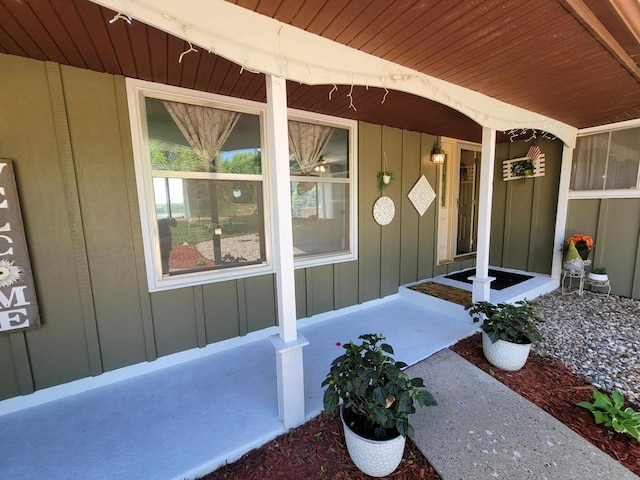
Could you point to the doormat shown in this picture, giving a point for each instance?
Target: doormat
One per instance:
(502, 279)
(444, 292)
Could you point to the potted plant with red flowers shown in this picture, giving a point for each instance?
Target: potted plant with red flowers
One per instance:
(376, 399)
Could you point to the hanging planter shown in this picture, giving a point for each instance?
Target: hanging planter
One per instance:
(385, 176)
(384, 179)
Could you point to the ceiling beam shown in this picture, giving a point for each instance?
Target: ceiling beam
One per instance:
(629, 12)
(589, 20)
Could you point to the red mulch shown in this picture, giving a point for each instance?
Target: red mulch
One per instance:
(554, 388)
(316, 450)
(187, 256)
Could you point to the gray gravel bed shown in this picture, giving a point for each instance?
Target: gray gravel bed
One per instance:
(595, 336)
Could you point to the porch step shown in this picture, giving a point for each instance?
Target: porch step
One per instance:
(433, 303)
(481, 429)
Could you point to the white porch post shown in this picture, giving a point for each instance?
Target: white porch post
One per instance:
(288, 344)
(482, 280)
(561, 212)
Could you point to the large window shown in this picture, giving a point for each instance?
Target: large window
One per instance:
(203, 186)
(200, 167)
(608, 160)
(321, 167)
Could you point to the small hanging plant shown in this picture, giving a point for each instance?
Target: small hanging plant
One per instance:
(523, 168)
(384, 179)
(385, 176)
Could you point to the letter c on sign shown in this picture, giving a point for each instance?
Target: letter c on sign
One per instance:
(10, 249)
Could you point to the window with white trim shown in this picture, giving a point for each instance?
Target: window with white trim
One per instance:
(608, 160)
(199, 168)
(322, 158)
(204, 192)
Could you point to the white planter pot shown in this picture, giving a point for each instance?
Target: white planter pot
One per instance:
(386, 179)
(376, 458)
(505, 355)
(598, 277)
(575, 265)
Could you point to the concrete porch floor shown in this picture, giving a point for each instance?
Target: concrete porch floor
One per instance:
(184, 420)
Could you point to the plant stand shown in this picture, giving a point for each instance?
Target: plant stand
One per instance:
(571, 274)
(568, 274)
(598, 284)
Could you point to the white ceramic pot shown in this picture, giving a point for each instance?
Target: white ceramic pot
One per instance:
(574, 265)
(505, 355)
(376, 458)
(598, 277)
(386, 179)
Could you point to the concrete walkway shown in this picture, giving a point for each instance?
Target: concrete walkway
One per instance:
(481, 429)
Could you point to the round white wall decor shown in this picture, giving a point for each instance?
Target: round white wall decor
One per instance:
(384, 210)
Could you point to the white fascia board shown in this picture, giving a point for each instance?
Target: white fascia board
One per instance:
(610, 127)
(262, 44)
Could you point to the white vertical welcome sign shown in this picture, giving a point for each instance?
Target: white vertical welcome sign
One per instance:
(18, 304)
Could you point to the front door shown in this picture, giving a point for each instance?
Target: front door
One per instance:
(468, 185)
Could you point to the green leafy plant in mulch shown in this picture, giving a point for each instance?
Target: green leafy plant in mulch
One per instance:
(608, 412)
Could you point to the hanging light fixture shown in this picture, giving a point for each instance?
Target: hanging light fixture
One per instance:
(438, 155)
(320, 167)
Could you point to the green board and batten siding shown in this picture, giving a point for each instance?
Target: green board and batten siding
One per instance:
(614, 224)
(67, 131)
(523, 212)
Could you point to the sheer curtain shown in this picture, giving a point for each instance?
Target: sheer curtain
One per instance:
(206, 129)
(590, 162)
(307, 142)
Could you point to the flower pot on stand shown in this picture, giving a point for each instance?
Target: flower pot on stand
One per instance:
(376, 458)
(598, 277)
(584, 253)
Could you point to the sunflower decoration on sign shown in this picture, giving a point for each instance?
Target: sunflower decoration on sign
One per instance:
(9, 273)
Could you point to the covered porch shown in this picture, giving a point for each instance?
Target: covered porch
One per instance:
(144, 382)
(184, 415)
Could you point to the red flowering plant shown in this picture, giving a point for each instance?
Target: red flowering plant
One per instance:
(583, 244)
(377, 396)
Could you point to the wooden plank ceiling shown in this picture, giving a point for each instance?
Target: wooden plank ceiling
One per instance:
(549, 56)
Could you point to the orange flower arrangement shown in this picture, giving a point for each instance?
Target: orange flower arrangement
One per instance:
(581, 241)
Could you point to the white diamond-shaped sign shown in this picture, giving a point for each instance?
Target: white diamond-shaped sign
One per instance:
(421, 195)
